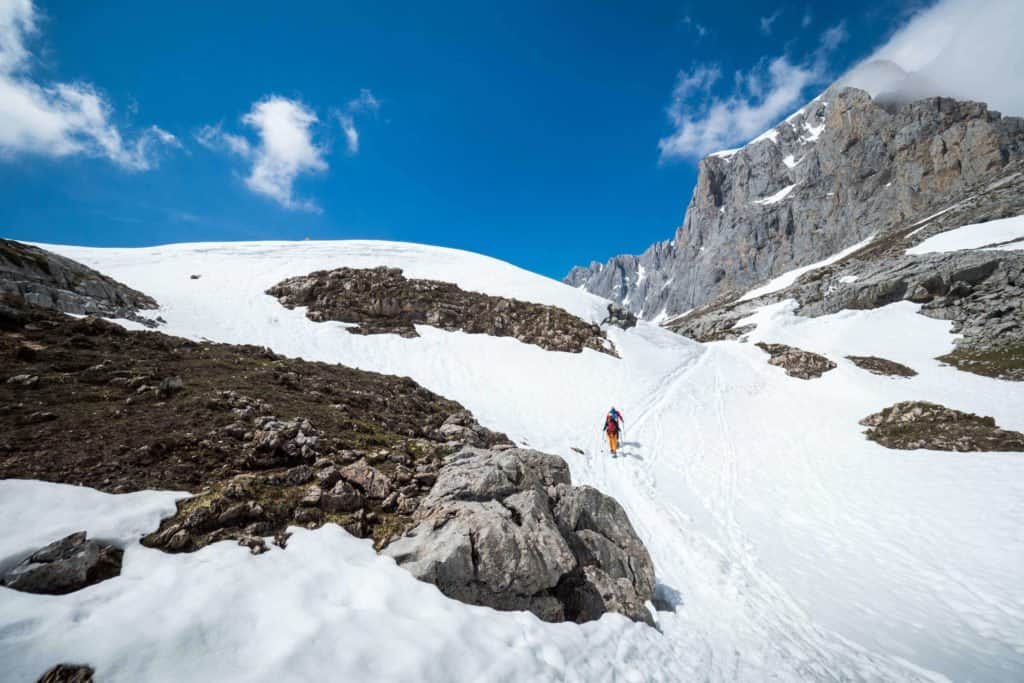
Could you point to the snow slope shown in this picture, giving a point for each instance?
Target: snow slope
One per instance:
(781, 282)
(792, 548)
(976, 236)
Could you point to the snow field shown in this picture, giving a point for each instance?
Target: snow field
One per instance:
(976, 236)
(793, 548)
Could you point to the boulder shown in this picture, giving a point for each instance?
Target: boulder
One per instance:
(65, 566)
(373, 482)
(506, 529)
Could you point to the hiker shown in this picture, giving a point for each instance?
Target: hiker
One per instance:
(612, 427)
(617, 416)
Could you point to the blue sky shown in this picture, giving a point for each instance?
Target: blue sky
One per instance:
(546, 134)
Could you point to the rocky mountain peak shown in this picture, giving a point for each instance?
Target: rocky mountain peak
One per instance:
(840, 169)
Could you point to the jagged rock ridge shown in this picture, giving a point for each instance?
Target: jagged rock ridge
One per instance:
(841, 169)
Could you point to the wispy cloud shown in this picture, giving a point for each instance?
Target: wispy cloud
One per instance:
(365, 103)
(806, 20)
(60, 119)
(769, 21)
(704, 122)
(700, 29)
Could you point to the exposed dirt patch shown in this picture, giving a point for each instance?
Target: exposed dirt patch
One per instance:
(882, 366)
(383, 301)
(797, 362)
(82, 401)
(914, 425)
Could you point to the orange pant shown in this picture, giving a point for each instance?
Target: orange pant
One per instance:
(613, 441)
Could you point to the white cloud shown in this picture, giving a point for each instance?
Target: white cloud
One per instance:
(348, 127)
(761, 96)
(766, 22)
(286, 147)
(59, 119)
(286, 150)
(807, 18)
(968, 49)
(365, 103)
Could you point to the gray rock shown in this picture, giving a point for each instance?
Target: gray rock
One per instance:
(872, 166)
(373, 482)
(911, 425)
(505, 528)
(797, 362)
(68, 673)
(981, 291)
(34, 276)
(65, 566)
(342, 498)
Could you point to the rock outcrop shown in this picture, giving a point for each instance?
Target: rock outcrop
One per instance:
(149, 411)
(65, 566)
(93, 404)
(34, 276)
(68, 673)
(506, 529)
(980, 291)
(842, 168)
(383, 301)
(882, 366)
(912, 425)
(797, 362)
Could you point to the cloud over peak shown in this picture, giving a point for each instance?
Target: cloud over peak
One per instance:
(969, 49)
(704, 122)
(60, 119)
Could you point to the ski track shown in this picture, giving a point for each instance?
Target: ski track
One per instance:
(791, 547)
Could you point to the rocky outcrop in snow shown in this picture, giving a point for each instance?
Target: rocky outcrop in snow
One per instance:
(842, 168)
(911, 425)
(65, 566)
(981, 291)
(68, 673)
(797, 362)
(506, 529)
(882, 366)
(124, 411)
(383, 301)
(30, 275)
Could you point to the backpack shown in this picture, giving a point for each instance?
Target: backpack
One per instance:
(610, 425)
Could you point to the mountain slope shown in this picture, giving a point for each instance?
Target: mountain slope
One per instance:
(840, 169)
(786, 544)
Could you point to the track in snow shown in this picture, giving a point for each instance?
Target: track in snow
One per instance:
(794, 548)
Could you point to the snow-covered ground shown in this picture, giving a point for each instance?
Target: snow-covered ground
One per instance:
(793, 548)
(781, 282)
(975, 236)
